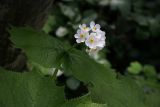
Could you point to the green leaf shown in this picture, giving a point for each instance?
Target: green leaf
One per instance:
(135, 68)
(105, 85)
(39, 47)
(48, 27)
(84, 101)
(152, 99)
(151, 91)
(149, 71)
(28, 90)
(33, 90)
(105, 88)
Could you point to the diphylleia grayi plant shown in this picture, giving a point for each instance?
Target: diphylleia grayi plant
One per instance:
(94, 39)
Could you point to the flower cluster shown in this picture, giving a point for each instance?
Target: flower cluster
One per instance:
(93, 36)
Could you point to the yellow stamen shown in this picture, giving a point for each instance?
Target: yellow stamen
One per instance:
(95, 28)
(91, 40)
(81, 35)
(85, 28)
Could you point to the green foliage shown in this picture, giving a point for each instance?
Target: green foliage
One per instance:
(149, 70)
(28, 90)
(135, 68)
(49, 24)
(82, 102)
(151, 89)
(33, 90)
(132, 30)
(39, 47)
(106, 87)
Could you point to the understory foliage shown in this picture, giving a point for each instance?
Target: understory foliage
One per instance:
(123, 74)
(131, 26)
(106, 87)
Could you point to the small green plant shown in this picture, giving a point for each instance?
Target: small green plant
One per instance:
(135, 68)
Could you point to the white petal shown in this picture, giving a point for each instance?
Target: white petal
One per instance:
(101, 44)
(103, 37)
(97, 26)
(102, 32)
(78, 40)
(98, 36)
(83, 25)
(83, 40)
(87, 29)
(92, 46)
(83, 32)
(86, 35)
(59, 73)
(78, 31)
(93, 53)
(76, 36)
(87, 43)
(80, 26)
(99, 48)
(93, 34)
(92, 24)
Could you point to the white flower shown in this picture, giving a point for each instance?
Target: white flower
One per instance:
(93, 53)
(94, 39)
(95, 27)
(81, 36)
(101, 35)
(61, 31)
(101, 39)
(91, 41)
(51, 72)
(59, 73)
(84, 28)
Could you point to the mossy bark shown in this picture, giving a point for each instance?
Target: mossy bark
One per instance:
(19, 13)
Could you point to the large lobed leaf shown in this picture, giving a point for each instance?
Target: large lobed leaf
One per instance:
(28, 90)
(38, 46)
(107, 87)
(33, 90)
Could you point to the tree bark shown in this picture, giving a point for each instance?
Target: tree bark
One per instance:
(19, 13)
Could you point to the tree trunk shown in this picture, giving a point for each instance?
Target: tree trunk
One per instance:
(19, 13)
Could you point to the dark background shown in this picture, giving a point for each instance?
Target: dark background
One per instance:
(132, 27)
